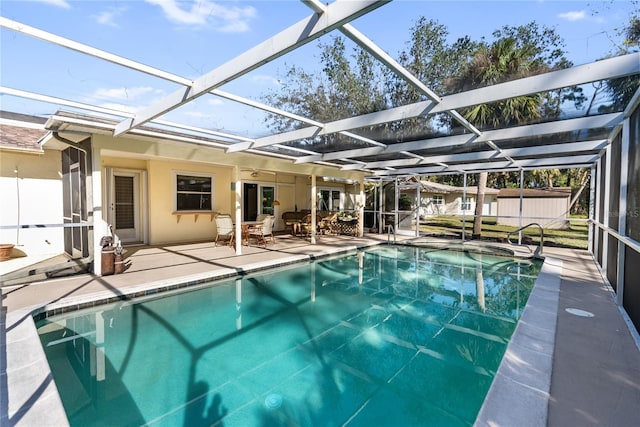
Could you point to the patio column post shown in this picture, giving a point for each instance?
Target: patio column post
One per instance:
(592, 198)
(237, 192)
(397, 206)
(380, 205)
(622, 208)
(418, 188)
(100, 225)
(520, 214)
(361, 203)
(314, 207)
(464, 201)
(375, 206)
(596, 207)
(605, 220)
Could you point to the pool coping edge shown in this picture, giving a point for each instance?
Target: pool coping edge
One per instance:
(520, 391)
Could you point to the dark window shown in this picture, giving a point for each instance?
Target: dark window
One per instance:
(194, 193)
(125, 214)
(329, 200)
(335, 200)
(267, 200)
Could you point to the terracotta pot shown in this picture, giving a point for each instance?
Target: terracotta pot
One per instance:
(5, 251)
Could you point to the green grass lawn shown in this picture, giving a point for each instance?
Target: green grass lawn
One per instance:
(573, 237)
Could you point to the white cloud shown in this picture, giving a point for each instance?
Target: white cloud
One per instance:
(197, 114)
(108, 17)
(202, 12)
(59, 3)
(120, 107)
(215, 102)
(266, 79)
(575, 15)
(129, 93)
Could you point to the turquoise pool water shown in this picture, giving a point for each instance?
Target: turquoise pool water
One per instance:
(392, 335)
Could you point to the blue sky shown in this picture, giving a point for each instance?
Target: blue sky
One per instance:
(190, 38)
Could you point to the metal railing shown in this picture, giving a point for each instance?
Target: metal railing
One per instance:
(519, 230)
(390, 230)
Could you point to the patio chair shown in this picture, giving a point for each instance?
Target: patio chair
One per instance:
(327, 225)
(224, 228)
(305, 225)
(264, 232)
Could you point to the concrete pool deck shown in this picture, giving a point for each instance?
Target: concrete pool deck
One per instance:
(560, 369)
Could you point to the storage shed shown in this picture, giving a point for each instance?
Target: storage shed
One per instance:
(440, 199)
(548, 207)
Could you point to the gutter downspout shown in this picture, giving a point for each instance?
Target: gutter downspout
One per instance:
(75, 145)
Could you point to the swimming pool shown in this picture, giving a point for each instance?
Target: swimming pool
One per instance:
(391, 335)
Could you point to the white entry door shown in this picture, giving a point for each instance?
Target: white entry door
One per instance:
(125, 213)
(486, 208)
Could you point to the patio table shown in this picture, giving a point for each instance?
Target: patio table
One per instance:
(247, 228)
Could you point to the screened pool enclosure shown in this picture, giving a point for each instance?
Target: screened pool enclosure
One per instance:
(426, 136)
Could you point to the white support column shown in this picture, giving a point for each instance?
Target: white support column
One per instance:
(100, 224)
(418, 187)
(592, 198)
(376, 223)
(314, 208)
(596, 206)
(396, 206)
(622, 209)
(236, 188)
(360, 205)
(380, 207)
(605, 220)
(521, 199)
(464, 211)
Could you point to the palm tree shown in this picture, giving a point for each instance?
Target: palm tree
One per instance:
(501, 61)
(621, 90)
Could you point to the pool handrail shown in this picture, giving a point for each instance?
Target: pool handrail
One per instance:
(540, 246)
(391, 229)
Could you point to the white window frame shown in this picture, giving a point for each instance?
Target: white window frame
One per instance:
(331, 206)
(466, 203)
(261, 205)
(437, 200)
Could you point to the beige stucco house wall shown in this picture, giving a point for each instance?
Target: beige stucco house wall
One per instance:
(149, 165)
(158, 170)
(158, 162)
(31, 189)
